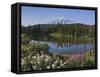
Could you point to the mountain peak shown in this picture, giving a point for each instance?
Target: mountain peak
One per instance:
(62, 20)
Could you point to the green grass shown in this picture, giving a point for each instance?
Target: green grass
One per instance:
(57, 34)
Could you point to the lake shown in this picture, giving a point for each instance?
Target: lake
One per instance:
(65, 45)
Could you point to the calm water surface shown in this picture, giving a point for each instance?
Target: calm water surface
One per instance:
(65, 45)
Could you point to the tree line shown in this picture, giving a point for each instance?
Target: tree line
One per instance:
(68, 29)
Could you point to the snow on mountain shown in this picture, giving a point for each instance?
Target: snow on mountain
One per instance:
(61, 20)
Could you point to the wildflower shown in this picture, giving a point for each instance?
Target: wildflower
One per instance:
(34, 67)
(34, 57)
(53, 65)
(47, 59)
(38, 62)
(56, 62)
(48, 67)
(41, 56)
(77, 57)
(58, 66)
(23, 62)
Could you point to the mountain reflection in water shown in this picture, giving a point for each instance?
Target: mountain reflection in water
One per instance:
(62, 46)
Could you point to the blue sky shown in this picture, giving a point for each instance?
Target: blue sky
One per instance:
(41, 15)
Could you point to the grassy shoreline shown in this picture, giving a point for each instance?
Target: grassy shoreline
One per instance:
(40, 60)
(66, 35)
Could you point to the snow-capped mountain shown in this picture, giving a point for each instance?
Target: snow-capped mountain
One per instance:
(61, 20)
